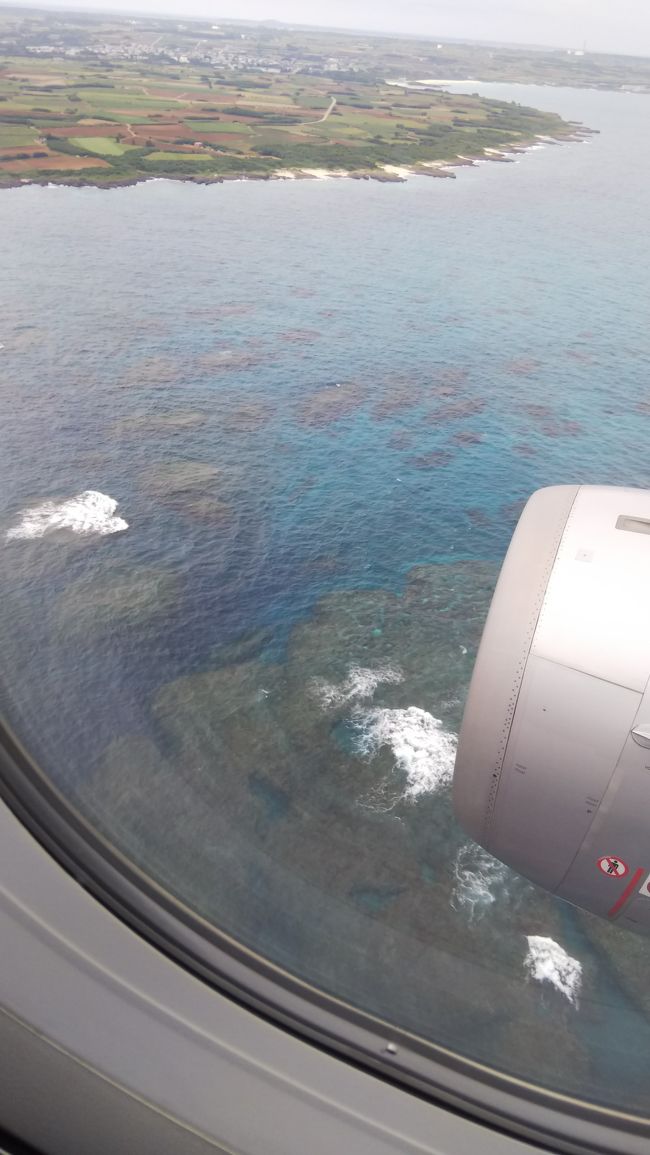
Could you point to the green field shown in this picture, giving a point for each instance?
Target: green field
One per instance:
(217, 126)
(124, 118)
(16, 136)
(179, 157)
(104, 145)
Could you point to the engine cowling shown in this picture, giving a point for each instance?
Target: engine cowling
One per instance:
(553, 768)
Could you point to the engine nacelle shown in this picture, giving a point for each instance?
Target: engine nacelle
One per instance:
(553, 768)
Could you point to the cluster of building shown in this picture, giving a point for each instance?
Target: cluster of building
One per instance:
(227, 49)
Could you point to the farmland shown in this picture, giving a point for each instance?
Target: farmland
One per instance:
(93, 115)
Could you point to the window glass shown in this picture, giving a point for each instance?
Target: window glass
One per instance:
(263, 445)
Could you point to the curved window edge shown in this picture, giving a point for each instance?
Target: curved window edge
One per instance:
(10, 1145)
(446, 1079)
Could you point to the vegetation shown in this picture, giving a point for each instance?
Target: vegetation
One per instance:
(104, 145)
(99, 116)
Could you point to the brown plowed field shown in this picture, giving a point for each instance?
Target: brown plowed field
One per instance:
(28, 149)
(161, 131)
(60, 162)
(227, 138)
(88, 130)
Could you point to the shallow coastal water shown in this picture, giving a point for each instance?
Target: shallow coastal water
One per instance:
(262, 450)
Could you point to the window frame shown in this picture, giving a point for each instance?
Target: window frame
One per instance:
(435, 1073)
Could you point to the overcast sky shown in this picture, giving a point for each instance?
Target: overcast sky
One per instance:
(605, 25)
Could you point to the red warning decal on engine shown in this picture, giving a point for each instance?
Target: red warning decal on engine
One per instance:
(645, 889)
(613, 866)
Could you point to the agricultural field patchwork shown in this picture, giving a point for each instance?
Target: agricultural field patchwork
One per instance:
(111, 102)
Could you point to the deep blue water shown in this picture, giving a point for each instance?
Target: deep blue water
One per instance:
(381, 374)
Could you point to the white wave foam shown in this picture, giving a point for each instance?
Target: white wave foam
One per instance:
(325, 173)
(360, 683)
(548, 962)
(478, 880)
(87, 513)
(400, 170)
(421, 748)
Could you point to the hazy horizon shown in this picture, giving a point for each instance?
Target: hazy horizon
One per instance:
(598, 25)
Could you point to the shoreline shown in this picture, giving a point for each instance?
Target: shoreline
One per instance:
(424, 85)
(382, 174)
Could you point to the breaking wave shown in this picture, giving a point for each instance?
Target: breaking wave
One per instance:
(478, 880)
(360, 683)
(421, 748)
(89, 512)
(548, 962)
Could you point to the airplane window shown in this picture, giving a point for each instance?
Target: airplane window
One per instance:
(266, 432)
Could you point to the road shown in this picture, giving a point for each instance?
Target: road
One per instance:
(321, 119)
(306, 123)
(328, 112)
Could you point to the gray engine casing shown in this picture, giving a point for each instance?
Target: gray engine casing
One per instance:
(553, 768)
